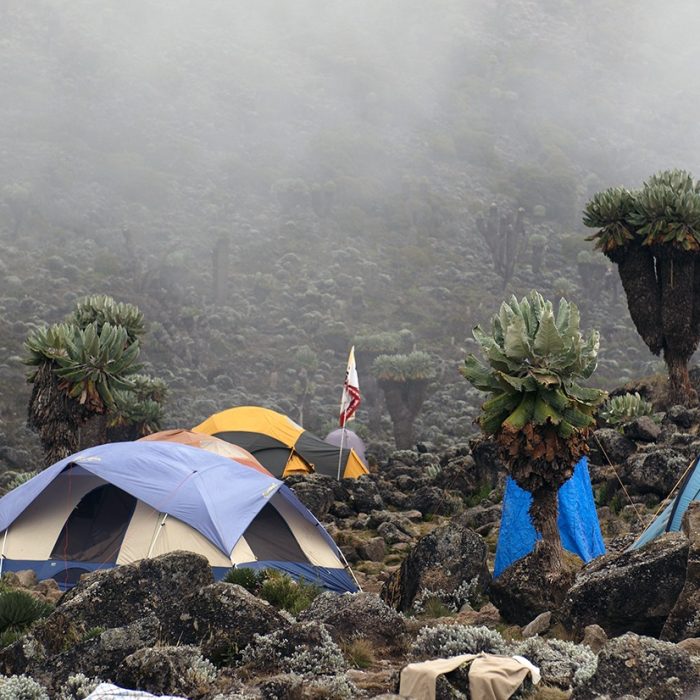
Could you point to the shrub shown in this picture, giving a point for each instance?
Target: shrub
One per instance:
(77, 687)
(443, 641)
(250, 579)
(283, 592)
(561, 663)
(21, 688)
(619, 409)
(440, 603)
(18, 610)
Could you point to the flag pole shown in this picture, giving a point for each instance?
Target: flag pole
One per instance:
(342, 438)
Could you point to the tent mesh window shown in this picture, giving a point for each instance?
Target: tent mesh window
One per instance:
(96, 527)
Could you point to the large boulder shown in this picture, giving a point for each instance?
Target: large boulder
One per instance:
(116, 597)
(629, 591)
(354, 615)
(683, 621)
(525, 590)
(642, 667)
(443, 560)
(488, 467)
(431, 500)
(363, 495)
(221, 617)
(654, 472)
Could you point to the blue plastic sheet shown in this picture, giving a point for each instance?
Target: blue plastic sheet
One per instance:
(578, 521)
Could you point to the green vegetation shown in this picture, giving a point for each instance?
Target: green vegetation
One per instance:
(19, 610)
(619, 409)
(275, 587)
(537, 411)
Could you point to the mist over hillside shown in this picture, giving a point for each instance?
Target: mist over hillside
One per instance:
(259, 177)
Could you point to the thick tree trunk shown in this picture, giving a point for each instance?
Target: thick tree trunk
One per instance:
(680, 390)
(639, 280)
(677, 277)
(404, 400)
(543, 512)
(93, 432)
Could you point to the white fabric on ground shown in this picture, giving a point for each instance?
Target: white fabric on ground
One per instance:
(106, 691)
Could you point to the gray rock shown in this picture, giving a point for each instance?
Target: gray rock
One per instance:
(364, 495)
(478, 516)
(487, 462)
(391, 534)
(221, 617)
(115, 597)
(656, 472)
(683, 621)
(431, 500)
(607, 441)
(167, 670)
(644, 429)
(681, 416)
(630, 591)
(354, 615)
(640, 666)
(372, 550)
(315, 491)
(538, 626)
(442, 560)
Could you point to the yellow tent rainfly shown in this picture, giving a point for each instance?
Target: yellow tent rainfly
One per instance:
(279, 444)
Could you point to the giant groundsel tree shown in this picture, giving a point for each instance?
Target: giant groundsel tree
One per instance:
(653, 235)
(84, 378)
(538, 412)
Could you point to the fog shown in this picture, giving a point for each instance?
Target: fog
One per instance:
(361, 137)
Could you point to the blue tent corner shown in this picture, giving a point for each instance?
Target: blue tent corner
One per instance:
(578, 521)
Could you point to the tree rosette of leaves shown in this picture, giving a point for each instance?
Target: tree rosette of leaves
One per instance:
(90, 364)
(538, 413)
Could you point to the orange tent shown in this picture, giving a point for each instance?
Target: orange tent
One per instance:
(211, 444)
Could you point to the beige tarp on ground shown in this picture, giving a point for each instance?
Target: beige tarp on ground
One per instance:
(491, 677)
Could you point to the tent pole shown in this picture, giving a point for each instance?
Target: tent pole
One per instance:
(2, 554)
(347, 566)
(155, 535)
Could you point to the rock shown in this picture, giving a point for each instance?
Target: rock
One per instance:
(167, 670)
(115, 597)
(643, 429)
(684, 619)
(680, 416)
(340, 509)
(523, 591)
(594, 636)
(641, 666)
(377, 517)
(26, 578)
(315, 491)
(48, 590)
(459, 474)
(357, 615)
(391, 534)
(364, 495)
(691, 645)
(479, 516)
(539, 625)
(607, 441)
(372, 550)
(221, 617)
(630, 591)
(431, 500)
(442, 560)
(98, 655)
(655, 472)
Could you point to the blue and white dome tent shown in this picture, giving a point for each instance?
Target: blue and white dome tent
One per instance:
(118, 503)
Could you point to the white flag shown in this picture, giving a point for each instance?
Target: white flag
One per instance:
(351, 391)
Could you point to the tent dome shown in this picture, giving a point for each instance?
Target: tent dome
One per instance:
(118, 503)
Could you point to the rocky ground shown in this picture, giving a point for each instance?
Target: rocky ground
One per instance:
(420, 535)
